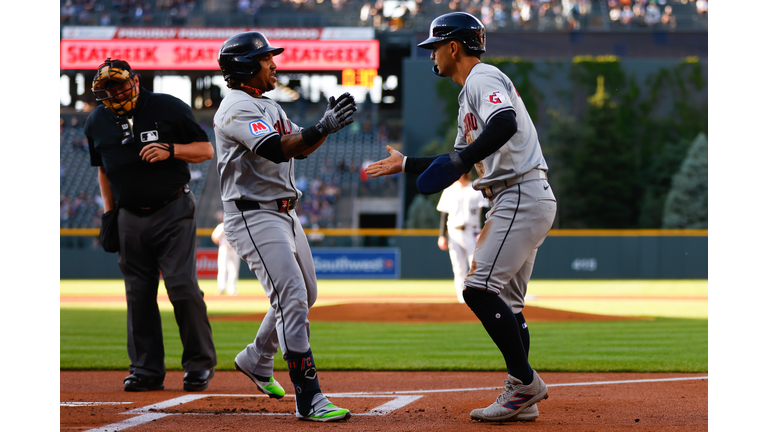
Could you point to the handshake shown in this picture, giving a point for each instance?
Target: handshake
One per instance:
(338, 114)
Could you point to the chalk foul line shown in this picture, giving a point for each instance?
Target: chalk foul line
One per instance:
(400, 399)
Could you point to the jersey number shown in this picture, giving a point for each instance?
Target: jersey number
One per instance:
(283, 127)
(470, 122)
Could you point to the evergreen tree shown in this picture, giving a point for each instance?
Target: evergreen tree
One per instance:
(686, 205)
(422, 214)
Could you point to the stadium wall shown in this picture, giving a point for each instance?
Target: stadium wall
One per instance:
(598, 255)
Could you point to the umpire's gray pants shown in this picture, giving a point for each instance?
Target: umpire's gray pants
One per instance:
(163, 242)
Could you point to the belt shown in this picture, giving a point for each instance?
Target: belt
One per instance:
(463, 227)
(496, 188)
(283, 205)
(145, 211)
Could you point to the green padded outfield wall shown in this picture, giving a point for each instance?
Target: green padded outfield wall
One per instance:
(560, 257)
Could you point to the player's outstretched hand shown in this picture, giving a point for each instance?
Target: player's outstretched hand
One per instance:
(338, 114)
(391, 165)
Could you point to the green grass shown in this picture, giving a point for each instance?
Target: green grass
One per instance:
(95, 339)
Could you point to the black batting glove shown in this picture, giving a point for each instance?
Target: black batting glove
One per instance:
(338, 114)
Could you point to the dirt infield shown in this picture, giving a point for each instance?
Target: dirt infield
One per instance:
(421, 312)
(387, 401)
(390, 401)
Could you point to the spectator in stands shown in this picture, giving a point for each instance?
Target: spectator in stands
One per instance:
(302, 184)
(652, 14)
(668, 18)
(67, 14)
(702, 7)
(105, 19)
(64, 208)
(627, 16)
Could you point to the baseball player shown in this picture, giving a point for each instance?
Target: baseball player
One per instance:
(497, 136)
(459, 208)
(228, 260)
(256, 145)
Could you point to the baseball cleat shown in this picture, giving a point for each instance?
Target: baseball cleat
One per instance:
(326, 413)
(271, 388)
(514, 399)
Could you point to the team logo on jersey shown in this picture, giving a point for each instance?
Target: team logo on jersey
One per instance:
(149, 136)
(496, 97)
(259, 128)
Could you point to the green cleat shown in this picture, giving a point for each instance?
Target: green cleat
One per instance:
(271, 388)
(327, 413)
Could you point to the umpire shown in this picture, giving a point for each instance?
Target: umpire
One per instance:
(142, 141)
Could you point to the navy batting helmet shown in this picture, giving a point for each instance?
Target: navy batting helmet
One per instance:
(238, 55)
(460, 26)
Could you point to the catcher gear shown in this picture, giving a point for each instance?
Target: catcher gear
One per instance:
(115, 86)
(337, 114)
(238, 55)
(443, 172)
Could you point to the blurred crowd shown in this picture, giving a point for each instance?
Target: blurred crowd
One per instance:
(536, 15)
(126, 12)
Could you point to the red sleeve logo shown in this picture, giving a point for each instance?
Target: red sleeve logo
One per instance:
(496, 97)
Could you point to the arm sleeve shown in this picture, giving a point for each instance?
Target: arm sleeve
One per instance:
(497, 132)
(417, 165)
(272, 149)
(443, 223)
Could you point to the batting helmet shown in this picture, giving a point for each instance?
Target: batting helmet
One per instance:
(110, 88)
(238, 55)
(460, 26)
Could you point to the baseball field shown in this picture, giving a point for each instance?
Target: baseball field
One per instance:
(405, 355)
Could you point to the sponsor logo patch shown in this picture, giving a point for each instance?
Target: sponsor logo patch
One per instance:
(149, 136)
(259, 128)
(496, 97)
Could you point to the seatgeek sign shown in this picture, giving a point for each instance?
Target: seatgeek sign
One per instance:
(178, 51)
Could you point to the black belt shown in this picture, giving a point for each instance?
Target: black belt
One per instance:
(281, 205)
(144, 211)
(496, 188)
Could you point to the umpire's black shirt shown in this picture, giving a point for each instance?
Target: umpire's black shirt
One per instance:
(156, 118)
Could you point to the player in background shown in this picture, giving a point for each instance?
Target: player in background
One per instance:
(460, 206)
(497, 136)
(256, 145)
(228, 260)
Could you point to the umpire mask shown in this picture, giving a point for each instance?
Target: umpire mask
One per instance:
(115, 86)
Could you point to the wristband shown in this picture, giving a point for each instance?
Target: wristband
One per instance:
(171, 150)
(311, 135)
(404, 158)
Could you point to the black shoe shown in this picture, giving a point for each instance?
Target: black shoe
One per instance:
(197, 380)
(139, 383)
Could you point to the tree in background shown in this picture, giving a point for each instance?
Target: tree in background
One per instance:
(422, 213)
(686, 203)
(615, 150)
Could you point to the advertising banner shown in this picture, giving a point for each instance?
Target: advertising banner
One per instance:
(353, 263)
(207, 263)
(201, 54)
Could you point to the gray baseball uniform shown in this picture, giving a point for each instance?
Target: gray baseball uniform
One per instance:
(260, 223)
(514, 179)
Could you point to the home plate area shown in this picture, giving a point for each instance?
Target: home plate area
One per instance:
(387, 401)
